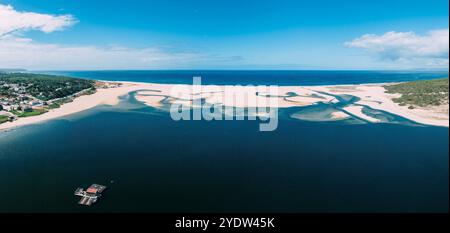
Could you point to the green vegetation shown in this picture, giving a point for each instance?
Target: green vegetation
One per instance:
(421, 93)
(43, 87)
(90, 91)
(3, 119)
(54, 105)
(35, 94)
(35, 112)
(59, 102)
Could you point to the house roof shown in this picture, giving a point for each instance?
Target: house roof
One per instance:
(92, 190)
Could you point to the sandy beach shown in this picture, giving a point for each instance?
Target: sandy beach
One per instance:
(102, 96)
(371, 95)
(374, 96)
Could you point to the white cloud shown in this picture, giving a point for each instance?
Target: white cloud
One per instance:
(430, 50)
(17, 51)
(14, 21)
(25, 53)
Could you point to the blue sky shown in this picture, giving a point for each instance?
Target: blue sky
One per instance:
(202, 34)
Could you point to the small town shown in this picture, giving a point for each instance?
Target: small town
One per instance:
(26, 95)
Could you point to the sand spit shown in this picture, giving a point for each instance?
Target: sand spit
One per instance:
(371, 95)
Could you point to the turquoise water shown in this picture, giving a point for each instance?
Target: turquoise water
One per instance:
(153, 164)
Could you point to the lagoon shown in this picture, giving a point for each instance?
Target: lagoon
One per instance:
(151, 163)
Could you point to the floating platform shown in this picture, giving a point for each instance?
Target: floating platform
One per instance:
(91, 195)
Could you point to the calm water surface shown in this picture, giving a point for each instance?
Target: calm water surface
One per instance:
(153, 164)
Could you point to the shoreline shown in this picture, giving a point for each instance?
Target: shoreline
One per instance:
(370, 95)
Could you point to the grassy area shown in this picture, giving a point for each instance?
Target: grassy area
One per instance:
(59, 103)
(54, 105)
(421, 93)
(3, 119)
(35, 112)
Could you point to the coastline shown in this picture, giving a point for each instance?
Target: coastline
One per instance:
(151, 94)
(85, 102)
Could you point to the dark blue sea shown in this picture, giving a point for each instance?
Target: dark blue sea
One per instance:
(153, 164)
(245, 77)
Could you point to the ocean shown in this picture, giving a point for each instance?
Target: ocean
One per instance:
(246, 77)
(153, 164)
